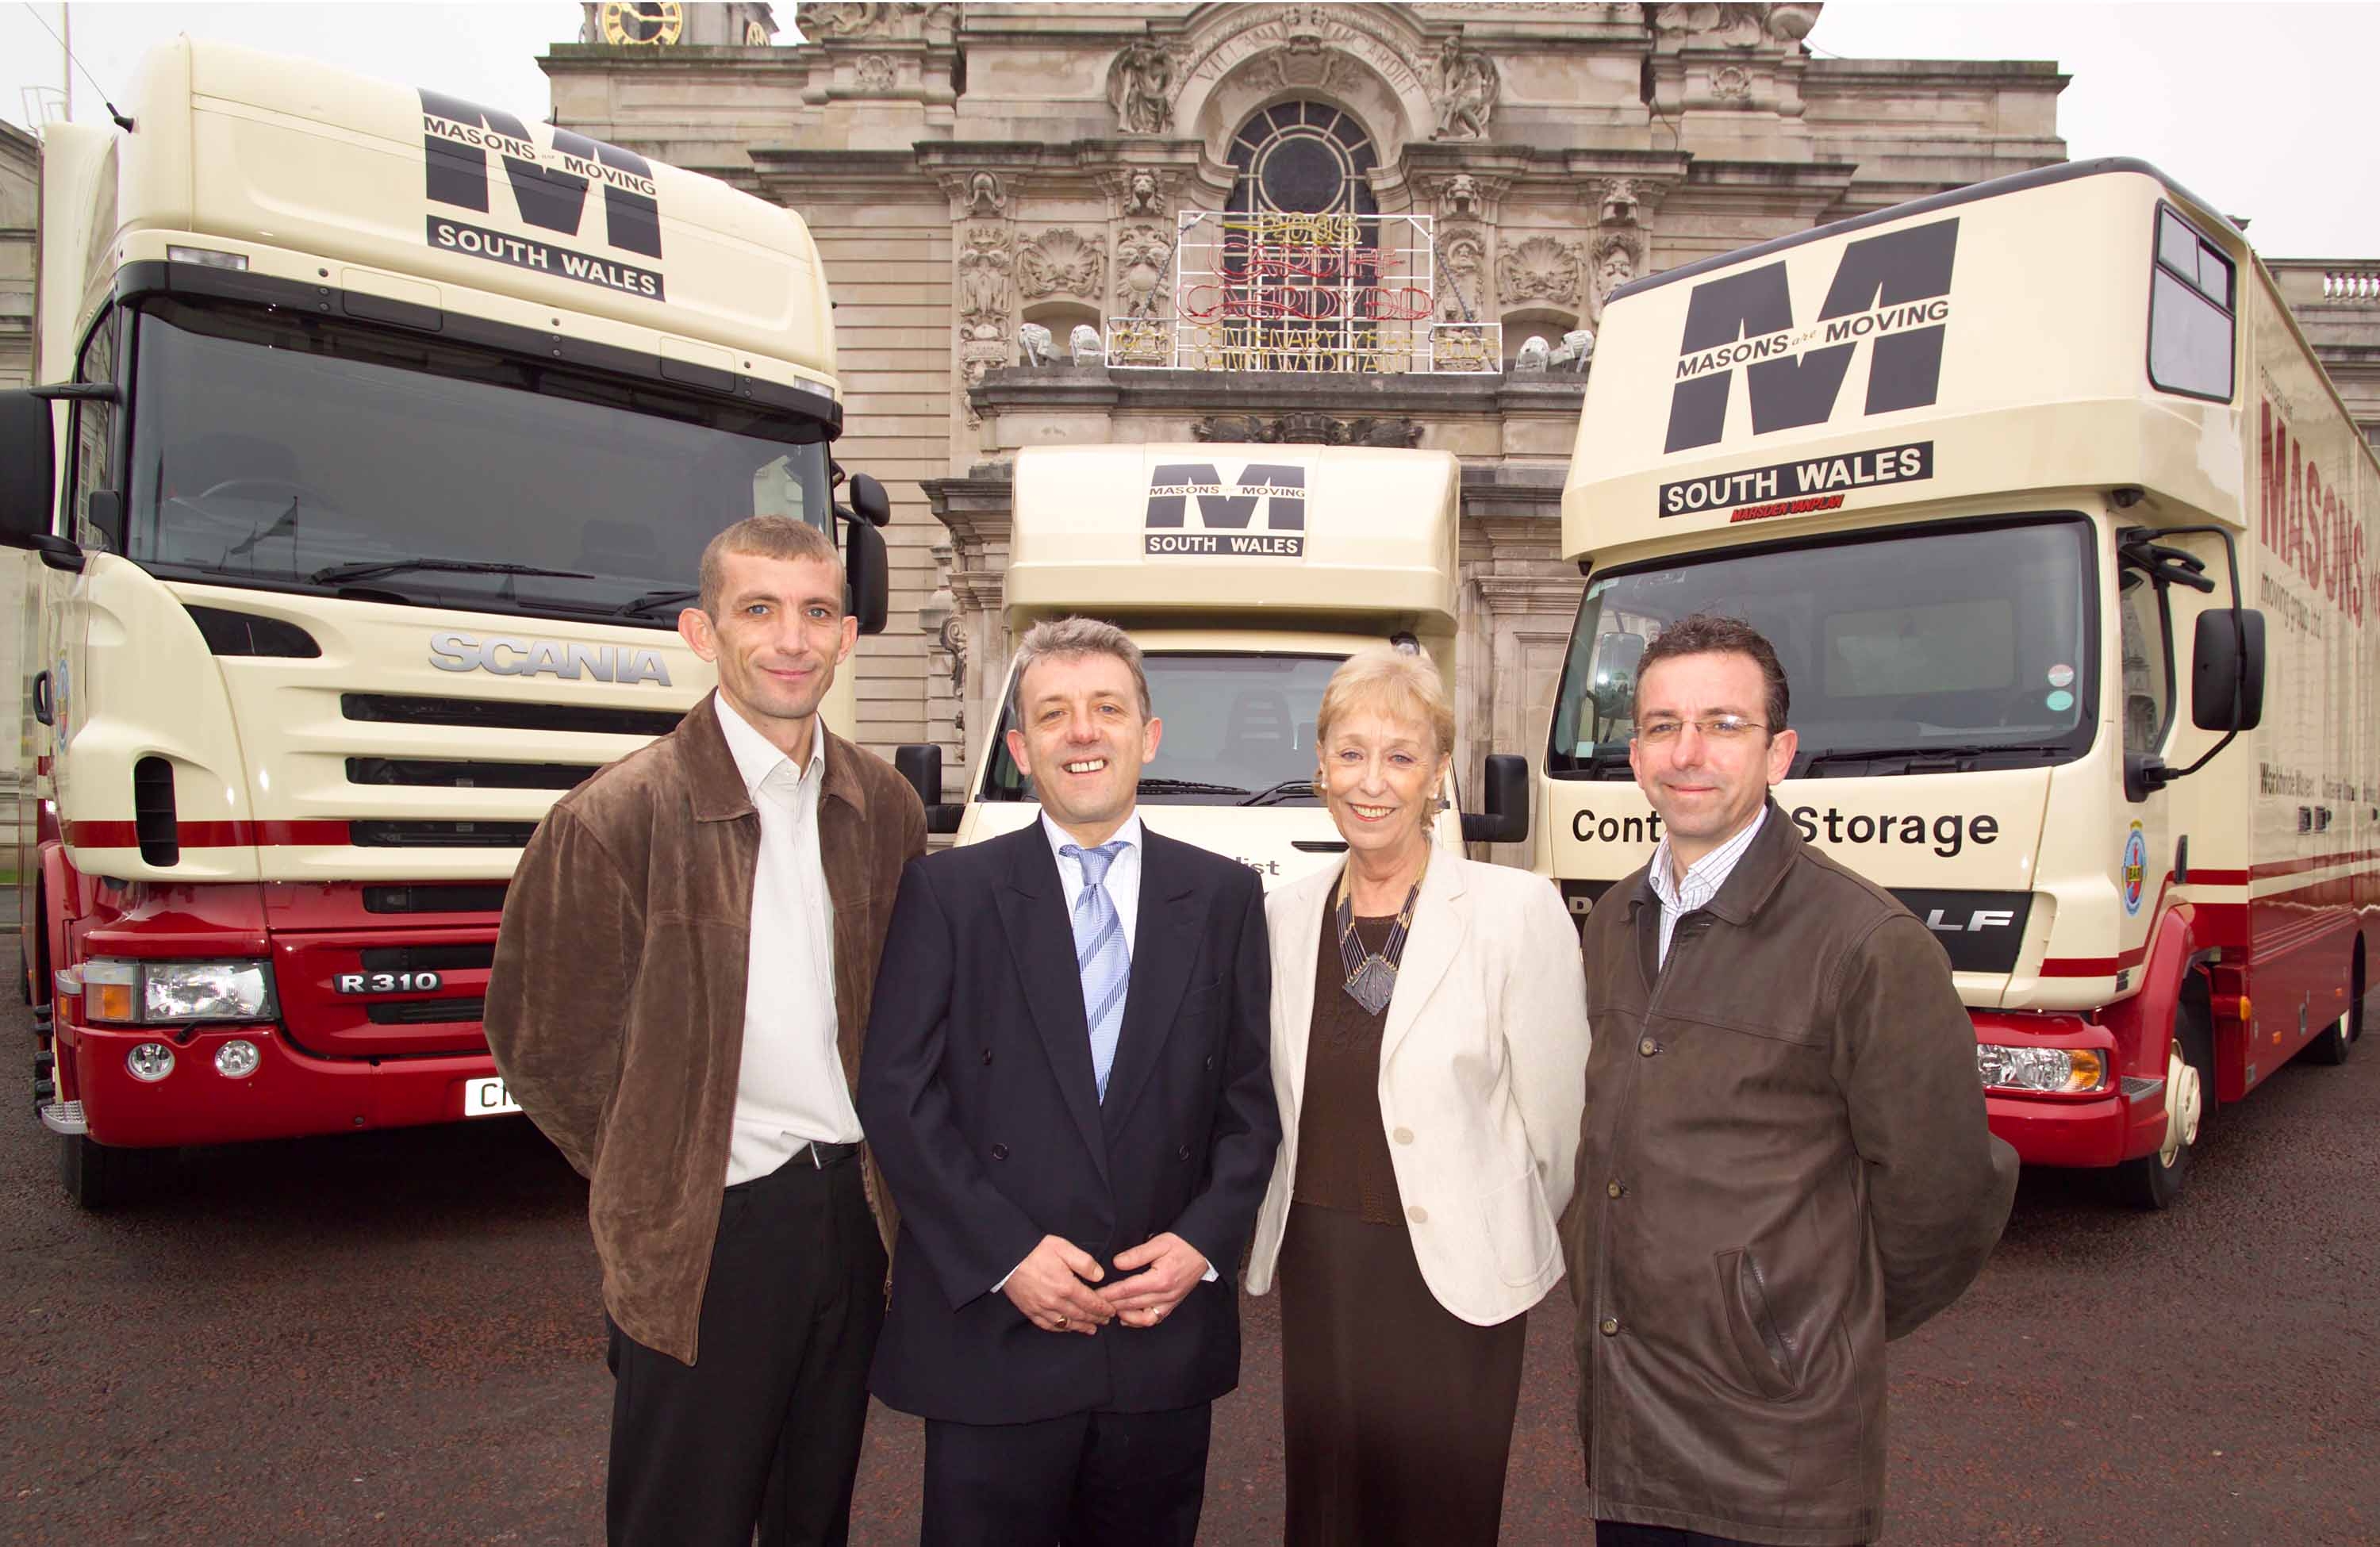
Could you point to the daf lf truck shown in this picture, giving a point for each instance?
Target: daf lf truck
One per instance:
(2066, 543)
(1248, 575)
(376, 436)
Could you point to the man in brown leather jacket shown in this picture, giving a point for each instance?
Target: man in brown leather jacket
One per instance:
(680, 987)
(1784, 1161)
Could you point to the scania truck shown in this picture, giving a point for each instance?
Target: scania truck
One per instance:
(2067, 545)
(376, 438)
(1246, 574)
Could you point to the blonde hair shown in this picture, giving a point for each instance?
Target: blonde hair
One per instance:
(1390, 682)
(769, 537)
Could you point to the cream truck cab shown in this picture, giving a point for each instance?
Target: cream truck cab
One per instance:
(1248, 575)
(380, 434)
(2066, 543)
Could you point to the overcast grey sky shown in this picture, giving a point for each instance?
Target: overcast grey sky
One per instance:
(2262, 109)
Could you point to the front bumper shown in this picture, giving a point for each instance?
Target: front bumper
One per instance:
(2094, 1131)
(291, 1095)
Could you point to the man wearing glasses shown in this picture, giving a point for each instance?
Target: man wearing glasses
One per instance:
(1784, 1161)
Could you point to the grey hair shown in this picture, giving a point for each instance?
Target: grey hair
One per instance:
(1071, 638)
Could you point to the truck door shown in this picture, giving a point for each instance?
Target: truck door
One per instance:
(2144, 688)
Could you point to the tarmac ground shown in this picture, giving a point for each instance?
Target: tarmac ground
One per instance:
(395, 1338)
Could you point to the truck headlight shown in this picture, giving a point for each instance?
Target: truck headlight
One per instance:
(2065, 1071)
(175, 992)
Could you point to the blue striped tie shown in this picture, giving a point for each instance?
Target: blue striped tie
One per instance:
(1101, 956)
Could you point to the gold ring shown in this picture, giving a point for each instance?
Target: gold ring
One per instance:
(1061, 1321)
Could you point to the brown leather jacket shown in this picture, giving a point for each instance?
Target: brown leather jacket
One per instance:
(1784, 1163)
(615, 1008)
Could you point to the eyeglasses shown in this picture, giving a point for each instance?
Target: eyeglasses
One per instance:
(1719, 727)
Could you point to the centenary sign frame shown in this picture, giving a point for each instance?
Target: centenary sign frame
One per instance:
(1269, 290)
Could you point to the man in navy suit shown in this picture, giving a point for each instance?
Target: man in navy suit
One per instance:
(1065, 1083)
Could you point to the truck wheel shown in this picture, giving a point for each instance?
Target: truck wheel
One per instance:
(96, 1176)
(2333, 1045)
(2156, 1180)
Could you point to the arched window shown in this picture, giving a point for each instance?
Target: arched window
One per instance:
(1295, 290)
(1305, 158)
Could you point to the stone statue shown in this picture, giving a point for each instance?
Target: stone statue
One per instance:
(1461, 285)
(1084, 346)
(1033, 344)
(1575, 350)
(1140, 88)
(1467, 91)
(1531, 360)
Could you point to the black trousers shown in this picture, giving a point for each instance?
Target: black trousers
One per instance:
(1614, 1533)
(1087, 1480)
(764, 1428)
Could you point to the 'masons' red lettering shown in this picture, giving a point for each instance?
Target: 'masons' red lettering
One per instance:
(2305, 525)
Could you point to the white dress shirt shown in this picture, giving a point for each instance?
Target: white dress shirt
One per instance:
(1703, 879)
(790, 1088)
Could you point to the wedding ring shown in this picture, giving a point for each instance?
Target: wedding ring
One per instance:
(1061, 1321)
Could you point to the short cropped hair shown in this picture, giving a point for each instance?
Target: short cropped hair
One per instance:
(1392, 683)
(1709, 633)
(1071, 638)
(769, 537)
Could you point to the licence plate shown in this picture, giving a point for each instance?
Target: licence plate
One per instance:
(486, 1097)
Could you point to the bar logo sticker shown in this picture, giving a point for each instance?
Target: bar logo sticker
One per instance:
(1225, 525)
(1815, 483)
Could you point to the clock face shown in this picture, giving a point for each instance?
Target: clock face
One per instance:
(647, 22)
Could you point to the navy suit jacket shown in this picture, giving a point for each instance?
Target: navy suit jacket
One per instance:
(977, 1095)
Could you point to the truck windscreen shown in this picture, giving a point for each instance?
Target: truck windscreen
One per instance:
(1923, 650)
(295, 452)
(1239, 730)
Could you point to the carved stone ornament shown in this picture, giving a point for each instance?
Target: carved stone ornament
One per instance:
(1716, 26)
(1143, 195)
(1305, 428)
(984, 264)
(1141, 256)
(875, 72)
(1140, 89)
(1460, 198)
(1619, 258)
(1538, 269)
(1730, 82)
(853, 20)
(984, 197)
(1466, 86)
(1626, 200)
(1062, 258)
(1461, 275)
(1295, 69)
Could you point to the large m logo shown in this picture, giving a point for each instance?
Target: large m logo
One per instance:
(552, 199)
(1880, 292)
(1227, 507)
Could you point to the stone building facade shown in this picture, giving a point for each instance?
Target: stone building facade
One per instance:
(971, 168)
(19, 190)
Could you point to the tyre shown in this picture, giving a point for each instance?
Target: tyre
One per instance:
(2156, 1180)
(2340, 1037)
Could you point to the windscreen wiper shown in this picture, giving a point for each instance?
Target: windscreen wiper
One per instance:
(1901, 760)
(365, 569)
(1282, 791)
(1187, 786)
(652, 602)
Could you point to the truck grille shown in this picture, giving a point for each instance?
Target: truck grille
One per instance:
(426, 1012)
(489, 898)
(428, 958)
(439, 835)
(458, 774)
(505, 714)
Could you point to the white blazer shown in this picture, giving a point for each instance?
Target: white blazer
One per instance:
(1483, 1078)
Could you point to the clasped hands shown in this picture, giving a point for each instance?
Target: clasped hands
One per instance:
(1053, 1286)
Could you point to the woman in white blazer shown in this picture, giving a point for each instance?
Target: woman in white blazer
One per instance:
(1429, 1046)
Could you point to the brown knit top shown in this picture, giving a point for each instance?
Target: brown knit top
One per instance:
(1343, 1152)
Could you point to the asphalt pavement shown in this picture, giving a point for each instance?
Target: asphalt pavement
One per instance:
(396, 1338)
